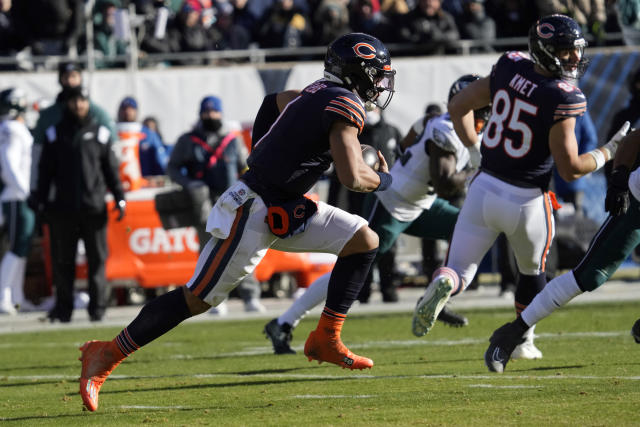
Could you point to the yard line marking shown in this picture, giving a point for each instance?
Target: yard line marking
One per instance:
(332, 377)
(258, 350)
(501, 386)
(152, 407)
(334, 396)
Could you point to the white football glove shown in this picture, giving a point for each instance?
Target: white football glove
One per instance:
(475, 158)
(612, 144)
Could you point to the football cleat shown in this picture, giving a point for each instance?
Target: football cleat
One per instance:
(635, 331)
(502, 343)
(280, 336)
(330, 349)
(430, 305)
(451, 318)
(98, 359)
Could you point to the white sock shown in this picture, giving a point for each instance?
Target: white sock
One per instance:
(529, 334)
(314, 295)
(9, 267)
(554, 295)
(18, 283)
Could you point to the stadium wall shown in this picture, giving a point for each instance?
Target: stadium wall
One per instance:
(173, 94)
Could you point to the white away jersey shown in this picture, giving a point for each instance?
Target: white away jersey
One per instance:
(15, 160)
(411, 191)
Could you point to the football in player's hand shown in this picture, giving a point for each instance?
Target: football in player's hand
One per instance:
(370, 156)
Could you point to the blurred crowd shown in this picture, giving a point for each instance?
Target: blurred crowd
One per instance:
(425, 27)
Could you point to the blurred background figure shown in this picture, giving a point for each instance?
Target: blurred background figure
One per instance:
(19, 220)
(77, 167)
(475, 24)
(206, 161)
(153, 154)
(108, 45)
(430, 27)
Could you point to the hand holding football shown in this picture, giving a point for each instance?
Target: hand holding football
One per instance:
(370, 156)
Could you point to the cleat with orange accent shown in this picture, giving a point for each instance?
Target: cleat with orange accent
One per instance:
(98, 359)
(329, 348)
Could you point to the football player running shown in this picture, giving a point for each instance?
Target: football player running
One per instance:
(432, 164)
(612, 244)
(534, 107)
(267, 209)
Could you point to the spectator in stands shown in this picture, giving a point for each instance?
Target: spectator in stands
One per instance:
(189, 34)
(515, 18)
(243, 16)
(330, 20)
(629, 20)
(284, 25)
(106, 42)
(9, 40)
(225, 32)
(475, 24)
(591, 15)
(49, 27)
(366, 17)
(153, 37)
(153, 154)
(78, 161)
(430, 28)
(210, 156)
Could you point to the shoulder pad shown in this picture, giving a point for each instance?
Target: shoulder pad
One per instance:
(442, 135)
(571, 102)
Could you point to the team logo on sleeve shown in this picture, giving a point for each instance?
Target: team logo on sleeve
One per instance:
(545, 30)
(364, 50)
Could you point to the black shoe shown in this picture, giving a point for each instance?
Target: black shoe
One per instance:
(96, 317)
(53, 316)
(389, 295)
(635, 331)
(451, 318)
(503, 341)
(280, 336)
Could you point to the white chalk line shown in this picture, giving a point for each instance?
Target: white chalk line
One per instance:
(258, 350)
(331, 377)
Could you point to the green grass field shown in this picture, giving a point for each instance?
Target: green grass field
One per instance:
(223, 373)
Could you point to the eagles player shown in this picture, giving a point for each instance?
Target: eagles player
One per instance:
(267, 209)
(436, 164)
(534, 106)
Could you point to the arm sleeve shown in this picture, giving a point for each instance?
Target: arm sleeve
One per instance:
(10, 162)
(110, 170)
(347, 109)
(46, 170)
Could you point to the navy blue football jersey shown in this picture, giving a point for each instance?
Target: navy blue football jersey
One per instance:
(292, 155)
(515, 144)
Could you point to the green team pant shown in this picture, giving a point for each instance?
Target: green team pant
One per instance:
(611, 245)
(19, 222)
(434, 223)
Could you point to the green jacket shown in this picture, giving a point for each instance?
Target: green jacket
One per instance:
(52, 115)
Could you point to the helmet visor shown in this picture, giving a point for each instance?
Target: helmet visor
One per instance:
(384, 84)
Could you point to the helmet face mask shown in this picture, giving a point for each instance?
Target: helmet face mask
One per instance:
(361, 63)
(555, 42)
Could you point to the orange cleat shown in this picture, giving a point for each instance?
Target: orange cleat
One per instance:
(329, 348)
(98, 359)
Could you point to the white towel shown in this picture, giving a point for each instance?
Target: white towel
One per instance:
(224, 211)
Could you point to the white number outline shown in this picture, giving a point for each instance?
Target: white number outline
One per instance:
(495, 127)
